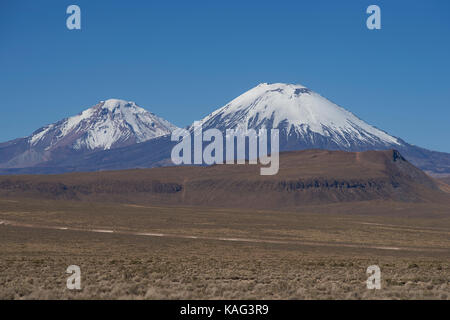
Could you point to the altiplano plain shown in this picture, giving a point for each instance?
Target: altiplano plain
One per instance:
(138, 245)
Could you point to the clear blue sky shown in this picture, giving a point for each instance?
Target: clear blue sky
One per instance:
(183, 59)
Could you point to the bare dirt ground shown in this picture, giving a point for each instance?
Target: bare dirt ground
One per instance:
(132, 251)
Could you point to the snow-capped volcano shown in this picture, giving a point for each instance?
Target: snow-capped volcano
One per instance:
(303, 117)
(117, 134)
(111, 123)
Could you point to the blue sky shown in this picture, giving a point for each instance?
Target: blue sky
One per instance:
(183, 59)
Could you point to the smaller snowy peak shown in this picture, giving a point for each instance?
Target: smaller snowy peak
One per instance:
(112, 104)
(117, 104)
(109, 124)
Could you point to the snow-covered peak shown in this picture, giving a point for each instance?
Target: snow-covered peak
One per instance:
(120, 105)
(111, 123)
(296, 110)
(112, 104)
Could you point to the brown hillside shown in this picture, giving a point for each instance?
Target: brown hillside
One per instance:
(305, 177)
